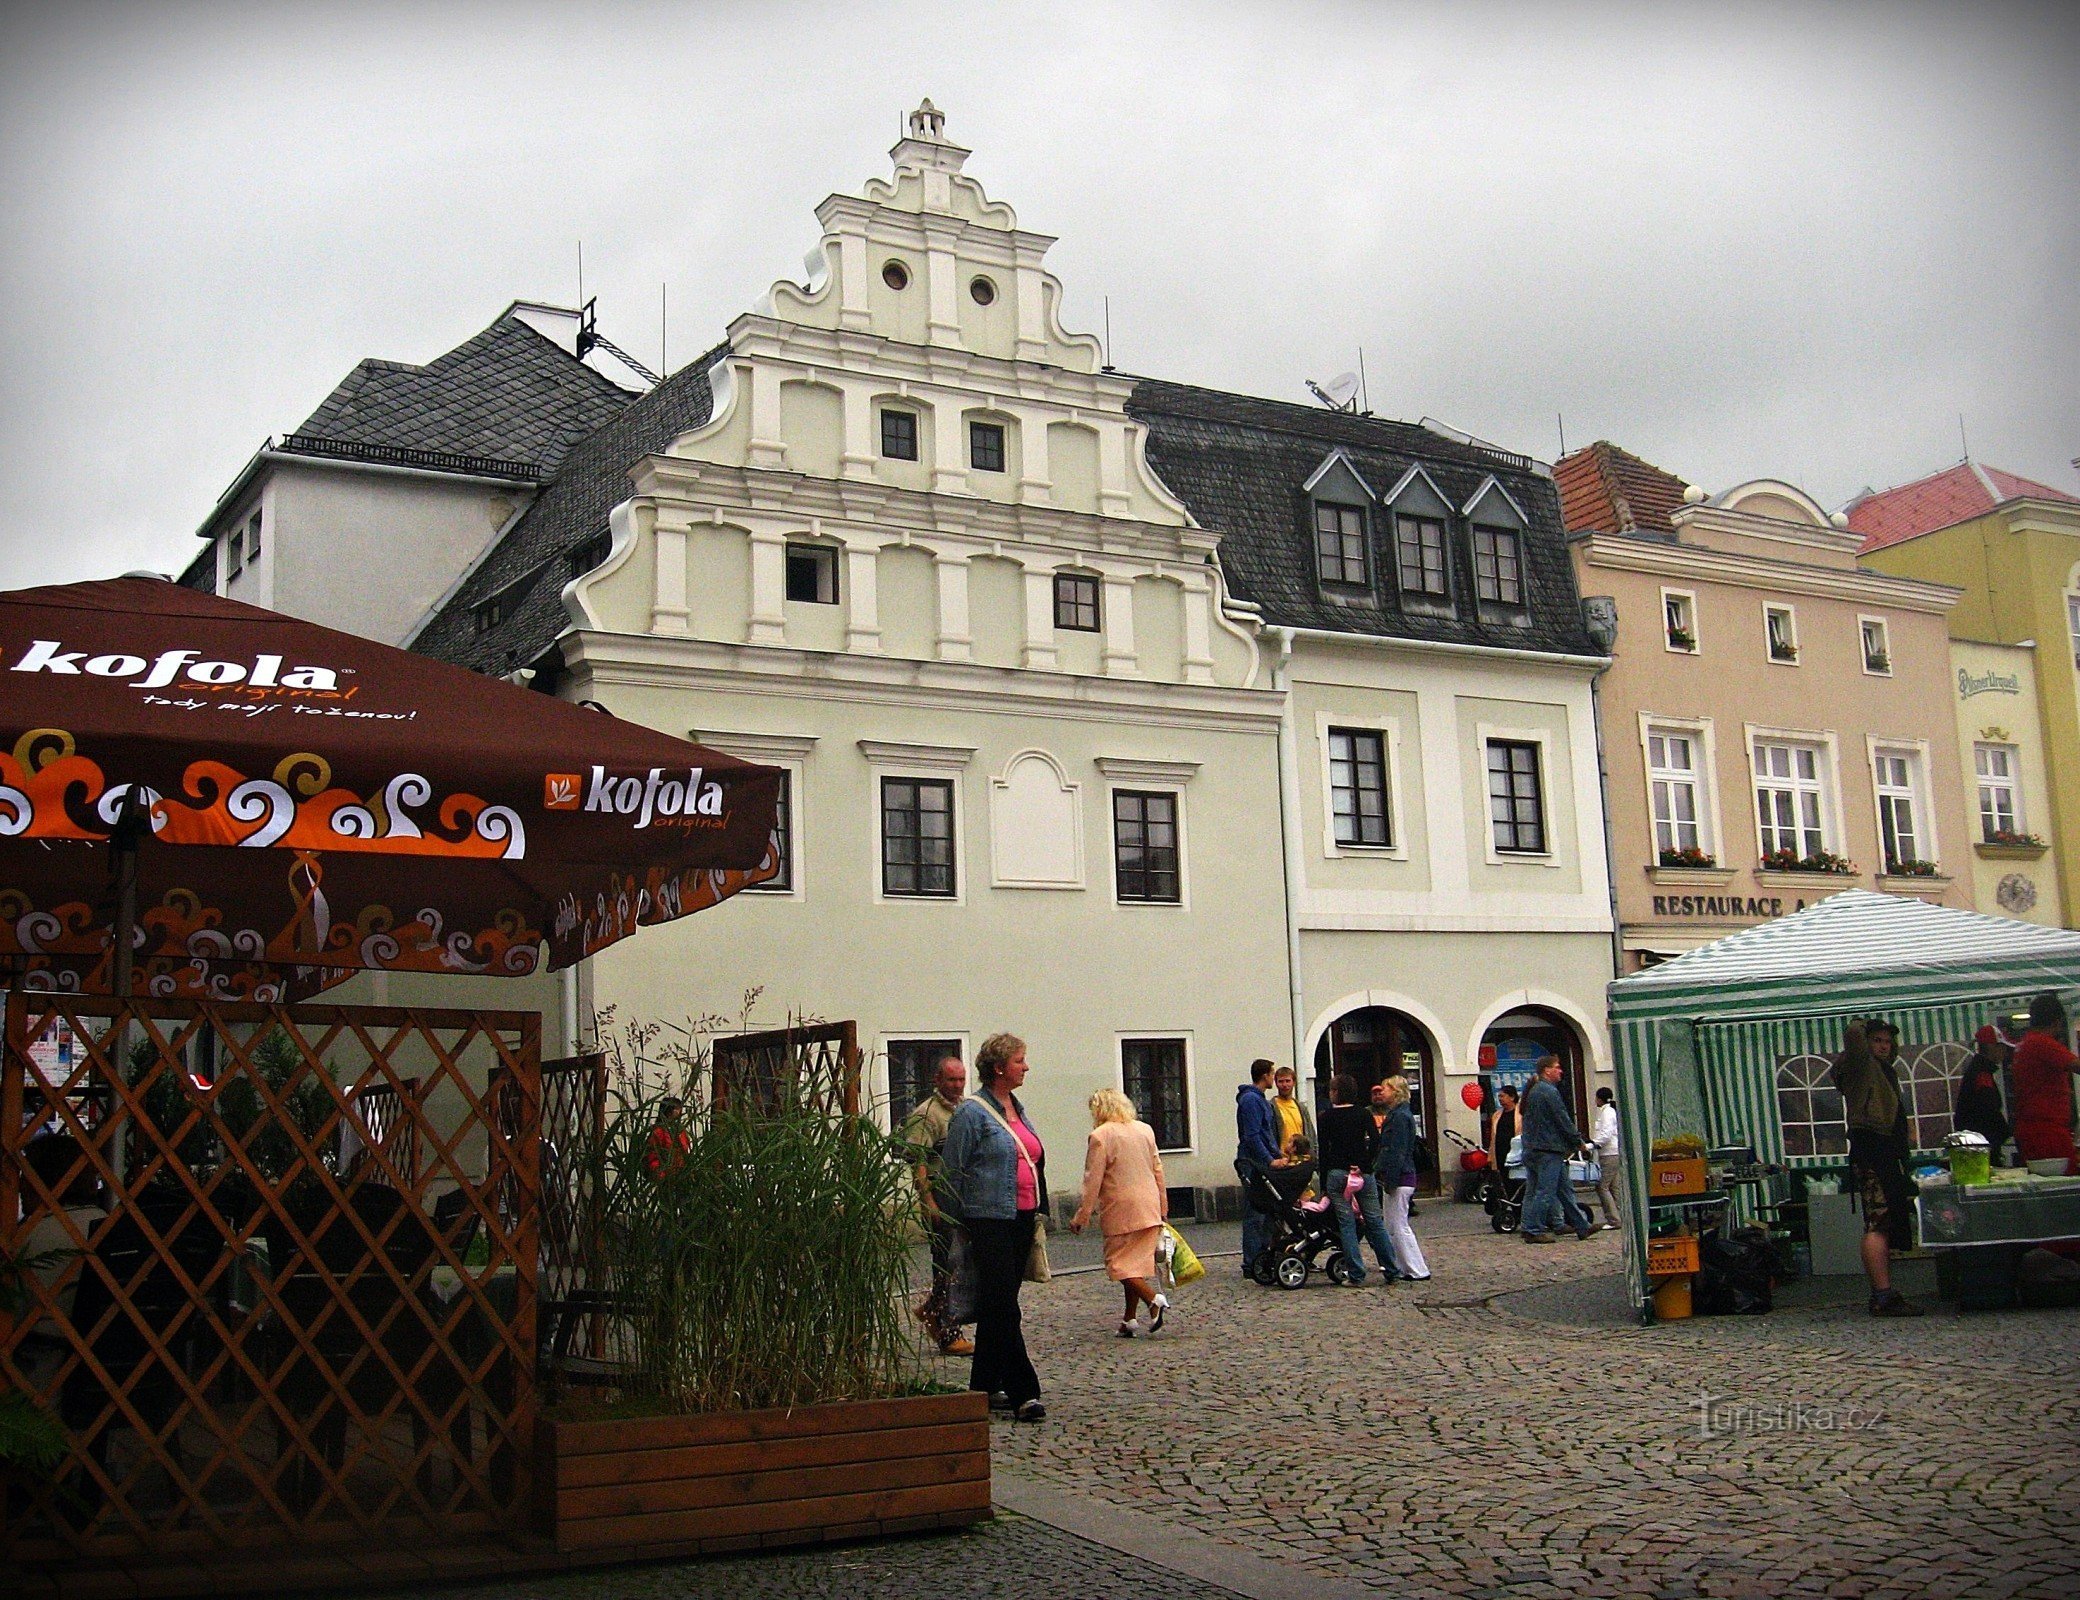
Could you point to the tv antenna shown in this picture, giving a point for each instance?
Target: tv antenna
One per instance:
(1339, 394)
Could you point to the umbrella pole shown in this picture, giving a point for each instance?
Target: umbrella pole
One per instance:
(124, 837)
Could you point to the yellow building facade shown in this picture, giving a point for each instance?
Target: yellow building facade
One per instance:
(2013, 547)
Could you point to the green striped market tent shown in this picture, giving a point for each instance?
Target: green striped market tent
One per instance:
(1743, 1005)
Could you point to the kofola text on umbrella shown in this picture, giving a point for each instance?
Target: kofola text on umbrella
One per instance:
(265, 672)
(653, 797)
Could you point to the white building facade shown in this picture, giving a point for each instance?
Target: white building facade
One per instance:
(1164, 728)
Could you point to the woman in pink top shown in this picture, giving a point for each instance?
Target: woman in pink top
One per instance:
(1123, 1183)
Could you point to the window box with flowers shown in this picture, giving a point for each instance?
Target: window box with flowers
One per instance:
(1877, 661)
(1682, 639)
(1824, 862)
(1921, 879)
(1783, 652)
(1910, 869)
(2010, 844)
(1690, 867)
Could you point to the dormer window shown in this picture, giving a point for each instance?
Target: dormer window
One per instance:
(1419, 550)
(899, 435)
(1339, 544)
(1498, 566)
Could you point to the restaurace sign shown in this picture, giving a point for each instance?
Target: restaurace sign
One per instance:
(1758, 906)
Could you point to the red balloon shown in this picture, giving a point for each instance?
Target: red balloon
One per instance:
(1471, 1094)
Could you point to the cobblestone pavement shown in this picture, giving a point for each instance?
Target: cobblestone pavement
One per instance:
(1010, 1558)
(1426, 1440)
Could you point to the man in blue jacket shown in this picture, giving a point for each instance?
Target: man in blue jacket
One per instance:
(1256, 1147)
(1550, 1137)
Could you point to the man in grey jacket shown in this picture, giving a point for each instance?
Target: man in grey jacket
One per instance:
(1550, 1137)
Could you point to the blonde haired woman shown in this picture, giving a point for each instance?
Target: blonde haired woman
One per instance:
(1123, 1183)
(1396, 1170)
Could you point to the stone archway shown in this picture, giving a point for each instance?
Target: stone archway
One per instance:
(1524, 1034)
(1372, 1043)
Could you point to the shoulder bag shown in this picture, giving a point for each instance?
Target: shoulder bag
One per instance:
(1037, 1269)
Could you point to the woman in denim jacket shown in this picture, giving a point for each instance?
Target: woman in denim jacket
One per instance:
(996, 1178)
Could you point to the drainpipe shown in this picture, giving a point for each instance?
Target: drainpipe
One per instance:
(1289, 839)
(1610, 852)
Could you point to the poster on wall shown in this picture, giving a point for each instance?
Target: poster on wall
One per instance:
(51, 1053)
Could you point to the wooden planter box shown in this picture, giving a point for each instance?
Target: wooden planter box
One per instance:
(734, 1480)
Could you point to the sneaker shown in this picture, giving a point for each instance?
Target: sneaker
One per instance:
(1031, 1411)
(957, 1347)
(1157, 1311)
(1893, 1304)
(1610, 1227)
(1538, 1238)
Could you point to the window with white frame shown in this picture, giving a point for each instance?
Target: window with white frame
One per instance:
(1780, 631)
(1498, 566)
(1358, 787)
(1673, 772)
(1156, 1076)
(1928, 1083)
(1998, 767)
(1339, 544)
(1419, 546)
(1809, 1107)
(1679, 621)
(1900, 831)
(1789, 796)
(1877, 646)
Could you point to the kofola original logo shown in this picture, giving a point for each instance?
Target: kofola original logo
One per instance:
(656, 796)
(170, 666)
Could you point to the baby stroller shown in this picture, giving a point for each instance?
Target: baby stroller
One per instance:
(1504, 1199)
(1300, 1231)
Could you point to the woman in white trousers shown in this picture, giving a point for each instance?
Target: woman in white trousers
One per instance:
(1396, 1168)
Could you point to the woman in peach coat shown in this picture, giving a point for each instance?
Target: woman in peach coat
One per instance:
(1123, 1183)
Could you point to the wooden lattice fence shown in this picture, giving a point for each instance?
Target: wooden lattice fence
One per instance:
(268, 1335)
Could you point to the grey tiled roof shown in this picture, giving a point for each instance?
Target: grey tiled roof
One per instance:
(508, 395)
(1239, 463)
(531, 564)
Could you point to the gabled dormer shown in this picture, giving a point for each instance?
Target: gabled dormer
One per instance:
(1339, 511)
(1419, 519)
(1498, 530)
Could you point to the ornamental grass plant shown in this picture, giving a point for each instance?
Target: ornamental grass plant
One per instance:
(757, 1252)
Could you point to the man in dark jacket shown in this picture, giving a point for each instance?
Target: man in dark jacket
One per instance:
(1550, 1137)
(1880, 1140)
(1980, 1109)
(1256, 1147)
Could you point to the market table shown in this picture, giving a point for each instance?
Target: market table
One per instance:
(1982, 1231)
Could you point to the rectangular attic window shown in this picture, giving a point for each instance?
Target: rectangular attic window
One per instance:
(899, 435)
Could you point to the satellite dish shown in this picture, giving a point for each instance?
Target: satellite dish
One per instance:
(1340, 393)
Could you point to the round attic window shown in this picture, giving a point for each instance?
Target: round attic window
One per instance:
(895, 275)
(982, 291)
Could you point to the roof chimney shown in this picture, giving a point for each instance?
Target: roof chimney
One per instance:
(924, 147)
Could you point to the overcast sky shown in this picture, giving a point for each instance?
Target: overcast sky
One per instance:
(1739, 240)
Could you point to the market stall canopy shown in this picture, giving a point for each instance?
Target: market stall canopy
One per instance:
(1854, 949)
(306, 804)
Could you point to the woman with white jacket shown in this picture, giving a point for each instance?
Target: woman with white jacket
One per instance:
(1610, 1154)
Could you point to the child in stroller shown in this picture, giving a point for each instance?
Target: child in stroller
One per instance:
(1300, 1229)
(1504, 1199)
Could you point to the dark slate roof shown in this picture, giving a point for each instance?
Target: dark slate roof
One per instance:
(1239, 464)
(532, 563)
(510, 397)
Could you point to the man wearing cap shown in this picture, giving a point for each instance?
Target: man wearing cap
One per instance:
(1979, 1107)
(1879, 1140)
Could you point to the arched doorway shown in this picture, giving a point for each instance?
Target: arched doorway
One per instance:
(1515, 1043)
(1376, 1042)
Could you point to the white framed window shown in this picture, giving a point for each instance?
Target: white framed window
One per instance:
(790, 753)
(1679, 621)
(1155, 1072)
(1998, 768)
(1928, 1083)
(1791, 797)
(1906, 818)
(1809, 1107)
(1780, 634)
(1675, 792)
(1875, 638)
(917, 793)
(1361, 785)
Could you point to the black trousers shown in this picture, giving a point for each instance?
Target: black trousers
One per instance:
(1001, 1363)
(938, 1229)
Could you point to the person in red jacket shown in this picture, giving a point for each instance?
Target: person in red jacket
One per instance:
(2042, 1072)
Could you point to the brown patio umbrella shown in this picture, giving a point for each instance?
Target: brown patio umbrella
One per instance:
(271, 805)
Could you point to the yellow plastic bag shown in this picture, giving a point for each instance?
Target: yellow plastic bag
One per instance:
(1185, 1266)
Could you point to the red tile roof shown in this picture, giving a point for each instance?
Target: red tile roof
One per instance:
(1941, 500)
(1607, 490)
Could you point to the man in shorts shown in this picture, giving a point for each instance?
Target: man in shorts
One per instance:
(1867, 1074)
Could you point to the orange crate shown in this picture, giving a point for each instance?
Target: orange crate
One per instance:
(1682, 1176)
(1668, 1258)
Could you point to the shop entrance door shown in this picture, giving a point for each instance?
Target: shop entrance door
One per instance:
(1520, 1039)
(1375, 1043)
